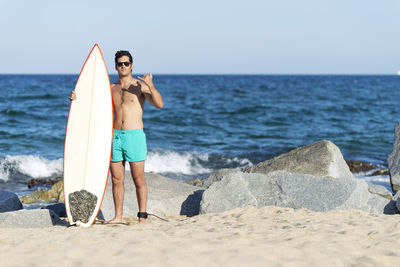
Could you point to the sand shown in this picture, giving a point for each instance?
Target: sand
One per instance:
(268, 236)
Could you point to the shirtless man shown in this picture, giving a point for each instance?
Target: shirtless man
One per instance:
(129, 140)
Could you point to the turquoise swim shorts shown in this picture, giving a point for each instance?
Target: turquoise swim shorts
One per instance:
(129, 145)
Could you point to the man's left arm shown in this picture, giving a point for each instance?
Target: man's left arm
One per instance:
(150, 92)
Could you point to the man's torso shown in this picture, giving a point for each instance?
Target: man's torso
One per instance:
(128, 106)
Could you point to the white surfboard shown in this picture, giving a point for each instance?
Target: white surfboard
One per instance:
(88, 140)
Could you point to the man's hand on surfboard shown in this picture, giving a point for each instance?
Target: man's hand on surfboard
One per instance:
(72, 96)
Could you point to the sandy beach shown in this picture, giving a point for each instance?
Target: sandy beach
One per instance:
(267, 236)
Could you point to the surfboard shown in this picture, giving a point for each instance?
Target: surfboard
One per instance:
(88, 141)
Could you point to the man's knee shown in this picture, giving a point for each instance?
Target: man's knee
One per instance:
(139, 181)
(117, 180)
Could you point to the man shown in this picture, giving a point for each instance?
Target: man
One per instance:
(129, 140)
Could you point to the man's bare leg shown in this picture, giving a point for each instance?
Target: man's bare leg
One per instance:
(118, 174)
(137, 171)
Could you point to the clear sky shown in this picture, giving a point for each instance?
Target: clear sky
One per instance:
(211, 37)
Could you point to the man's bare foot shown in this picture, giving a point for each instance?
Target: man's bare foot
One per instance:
(142, 220)
(142, 216)
(116, 220)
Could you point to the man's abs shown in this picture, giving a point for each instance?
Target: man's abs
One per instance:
(128, 117)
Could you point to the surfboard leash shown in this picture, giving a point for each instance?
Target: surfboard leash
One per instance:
(145, 215)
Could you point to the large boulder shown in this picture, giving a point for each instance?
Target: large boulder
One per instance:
(36, 218)
(394, 161)
(292, 190)
(322, 158)
(9, 201)
(166, 197)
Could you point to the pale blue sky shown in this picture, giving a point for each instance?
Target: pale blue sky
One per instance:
(170, 36)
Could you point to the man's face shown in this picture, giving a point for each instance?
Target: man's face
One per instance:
(121, 66)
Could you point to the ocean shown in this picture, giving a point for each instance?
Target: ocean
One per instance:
(208, 122)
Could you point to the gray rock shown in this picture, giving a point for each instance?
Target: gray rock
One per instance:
(394, 161)
(217, 176)
(322, 158)
(380, 191)
(196, 182)
(291, 190)
(54, 194)
(214, 177)
(396, 198)
(58, 209)
(9, 201)
(36, 218)
(166, 197)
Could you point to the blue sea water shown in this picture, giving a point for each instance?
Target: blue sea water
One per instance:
(208, 121)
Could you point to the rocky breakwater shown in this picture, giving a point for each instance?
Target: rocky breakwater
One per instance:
(315, 177)
(166, 197)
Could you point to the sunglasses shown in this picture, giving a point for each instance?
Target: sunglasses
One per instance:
(119, 64)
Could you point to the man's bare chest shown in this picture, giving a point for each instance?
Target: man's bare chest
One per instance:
(131, 95)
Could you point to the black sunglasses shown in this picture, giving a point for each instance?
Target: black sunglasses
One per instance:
(119, 64)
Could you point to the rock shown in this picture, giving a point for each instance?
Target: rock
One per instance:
(54, 194)
(217, 176)
(195, 182)
(380, 172)
(9, 201)
(214, 177)
(359, 166)
(394, 161)
(58, 209)
(322, 158)
(166, 197)
(396, 198)
(41, 182)
(36, 218)
(292, 190)
(380, 191)
(356, 166)
(33, 197)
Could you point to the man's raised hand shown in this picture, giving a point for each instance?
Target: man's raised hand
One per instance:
(147, 79)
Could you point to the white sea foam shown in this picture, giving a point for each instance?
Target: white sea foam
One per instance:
(242, 162)
(29, 165)
(187, 162)
(158, 161)
(4, 172)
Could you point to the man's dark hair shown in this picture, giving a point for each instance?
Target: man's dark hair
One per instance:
(122, 53)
